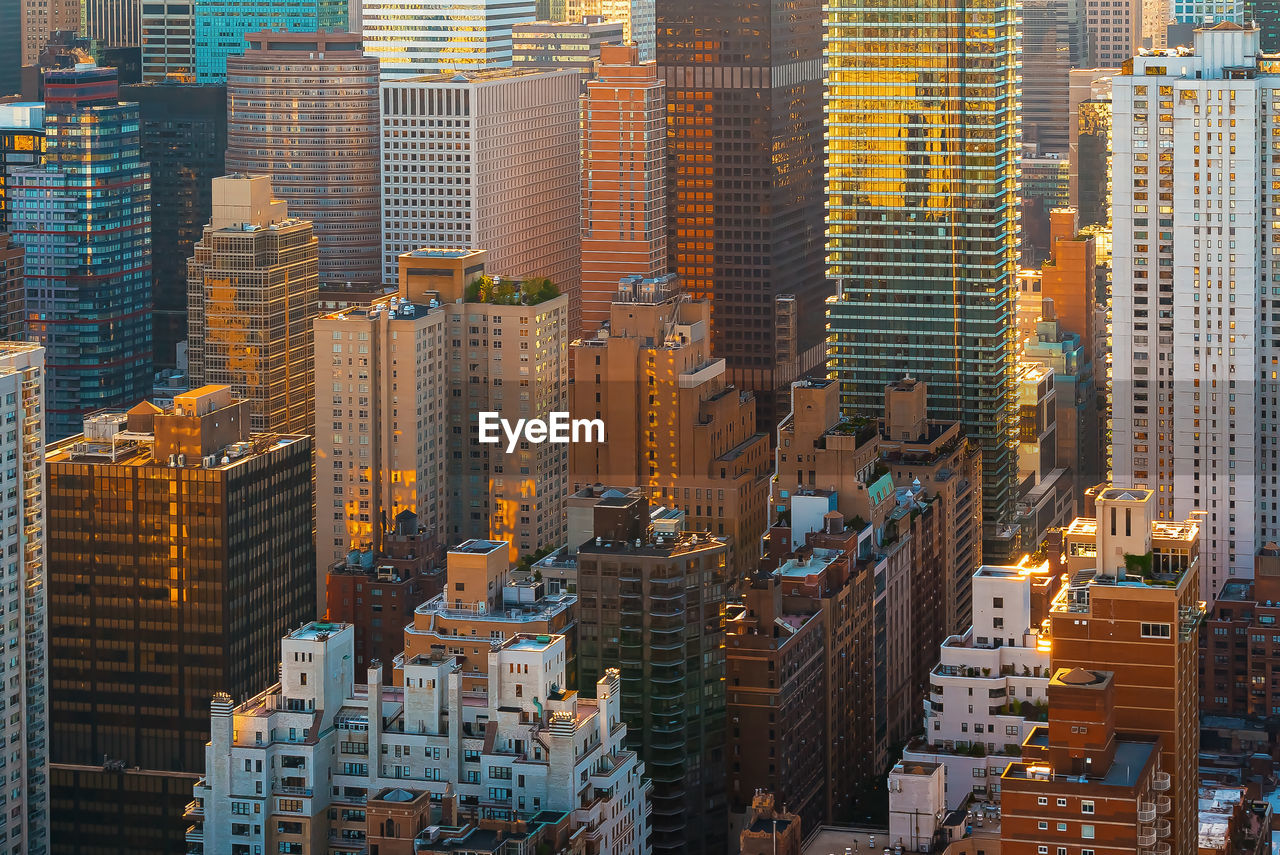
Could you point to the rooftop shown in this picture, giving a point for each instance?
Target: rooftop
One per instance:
(531, 643)
(479, 547)
(1131, 759)
(805, 567)
(317, 631)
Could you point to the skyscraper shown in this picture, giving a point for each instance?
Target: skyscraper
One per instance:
(204, 530)
(303, 108)
(84, 219)
(221, 27)
(114, 23)
(674, 426)
(168, 40)
(563, 44)
(13, 285)
(1054, 41)
(1193, 347)
(744, 179)
(184, 138)
(429, 36)
(10, 47)
(638, 17)
(41, 19)
(624, 200)
(25, 728)
(21, 144)
(922, 219)
(1115, 31)
(491, 161)
(251, 304)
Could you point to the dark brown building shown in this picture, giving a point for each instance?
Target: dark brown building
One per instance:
(652, 599)
(377, 593)
(179, 553)
(13, 283)
(1240, 644)
(745, 181)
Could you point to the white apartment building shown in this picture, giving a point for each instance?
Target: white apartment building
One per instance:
(489, 160)
(1196, 289)
(989, 685)
(24, 802)
(380, 415)
(320, 764)
(427, 36)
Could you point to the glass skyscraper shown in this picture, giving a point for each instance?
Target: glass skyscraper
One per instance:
(744, 172)
(221, 27)
(922, 218)
(84, 219)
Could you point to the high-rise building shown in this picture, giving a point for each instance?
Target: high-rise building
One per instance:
(204, 529)
(1239, 650)
(303, 108)
(922, 224)
(1002, 660)
(1084, 780)
(460, 485)
(1266, 14)
(10, 47)
(1189, 422)
(624, 201)
(222, 26)
(1115, 31)
(168, 40)
(184, 138)
(1200, 12)
(113, 23)
(563, 44)
(24, 729)
(496, 143)
(744, 182)
(431, 36)
(1133, 609)
(13, 283)
(638, 19)
(41, 19)
(84, 219)
(1090, 156)
(252, 303)
(1054, 41)
(320, 764)
(673, 426)
(21, 144)
(653, 598)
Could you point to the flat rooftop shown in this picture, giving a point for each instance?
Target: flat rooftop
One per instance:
(819, 561)
(1131, 758)
(479, 547)
(315, 629)
(532, 643)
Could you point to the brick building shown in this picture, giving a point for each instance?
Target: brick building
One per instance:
(1240, 643)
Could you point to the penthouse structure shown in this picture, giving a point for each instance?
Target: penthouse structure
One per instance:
(413, 761)
(204, 528)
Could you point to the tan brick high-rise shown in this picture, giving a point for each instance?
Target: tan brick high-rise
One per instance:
(40, 18)
(624, 200)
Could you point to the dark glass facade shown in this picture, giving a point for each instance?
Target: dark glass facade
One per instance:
(657, 612)
(184, 139)
(21, 144)
(1266, 14)
(84, 220)
(166, 585)
(744, 119)
(10, 47)
(1054, 41)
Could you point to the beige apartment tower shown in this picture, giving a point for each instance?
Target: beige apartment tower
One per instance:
(252, 302)
(411, 377)
(673, 426)
(40, 19)
(303, 108)
(624, 199)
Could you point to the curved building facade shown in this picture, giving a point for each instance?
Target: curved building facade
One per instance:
(303, 108)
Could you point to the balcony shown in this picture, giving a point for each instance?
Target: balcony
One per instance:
(1146, 837)
(1146, 812)
(1164, 804)
(1160, 849)
(1160, 782)
(1163, 829)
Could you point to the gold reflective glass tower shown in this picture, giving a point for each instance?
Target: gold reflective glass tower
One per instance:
(922, 218)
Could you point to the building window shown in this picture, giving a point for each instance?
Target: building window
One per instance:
(1062, 802)
(1086, 807)
(1156, 630)
(1043, 850)
(1042, 825)
(1043, 800)
(1086, 831)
